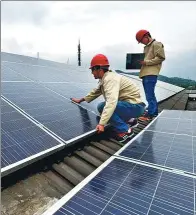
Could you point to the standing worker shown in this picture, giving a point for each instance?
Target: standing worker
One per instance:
(151, 66)
(122, 98)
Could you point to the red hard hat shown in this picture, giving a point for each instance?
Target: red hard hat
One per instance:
(140, 34)
(99, 60)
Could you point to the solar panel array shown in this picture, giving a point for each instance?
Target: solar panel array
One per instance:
(168, 150)
(163, 90)
(126, 188)
(22, 140)
(40, 91)
(45, 73)
(161, 84)
(168, 141)
(152, 174)
(68, 81)
(58, 114)
(27, 85)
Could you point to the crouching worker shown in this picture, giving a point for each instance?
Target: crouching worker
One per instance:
(122, 99)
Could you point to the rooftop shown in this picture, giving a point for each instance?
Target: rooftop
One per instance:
(39, 185)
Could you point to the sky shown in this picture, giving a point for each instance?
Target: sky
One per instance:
(53, 29)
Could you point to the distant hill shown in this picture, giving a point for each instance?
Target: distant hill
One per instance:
(181, 82)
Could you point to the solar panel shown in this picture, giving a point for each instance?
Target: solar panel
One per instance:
(76, 90)
(15, 58)
(173, 114)
(169, 150)
(22, 141)
(178, 114)
(9, 57)
(166, 141)
(126, 188)
(69, 121)
(161, 84)
(46, 73)
(178, 122)
(9, 75)
(172, 126)
(160, 92)
(62, 82)
(67, 80)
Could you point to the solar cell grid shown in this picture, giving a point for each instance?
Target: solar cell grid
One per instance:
(177, 126)
(122, 187)
(162, 90)
(161, 84)
(58, 114)
(61, 72)
(77, 90)
(171, 114)
(21, 139)
(168, 141)
(126, 188)
(174, 151)
(71, 89)
(9, 75)
(178, 114)
(9, 57)
(44, 73)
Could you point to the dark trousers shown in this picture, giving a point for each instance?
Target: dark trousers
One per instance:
(149, 83)
(123, 113)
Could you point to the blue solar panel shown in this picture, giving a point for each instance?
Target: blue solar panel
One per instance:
(67, 80)
(177, 126)
(9, 57)
(178, 114)
(176, 121)
(22, 59)
(58, 114)
(168, 142)
(22, 139)
(9, 75)
(174, 151)
(187, 120)
(126, 188)
(48, 73)
(76, 90)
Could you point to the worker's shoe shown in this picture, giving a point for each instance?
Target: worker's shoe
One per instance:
(133, 123)
(146, 118)
(122, 137)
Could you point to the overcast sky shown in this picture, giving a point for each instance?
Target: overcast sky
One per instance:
(53, 29)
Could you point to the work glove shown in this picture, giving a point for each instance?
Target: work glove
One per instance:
(77, 100)
(100, 128)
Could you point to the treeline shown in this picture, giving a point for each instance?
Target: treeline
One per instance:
(181, 82)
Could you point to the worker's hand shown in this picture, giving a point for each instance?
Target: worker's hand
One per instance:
(100, 128)
(77, 100)
(142, 62)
